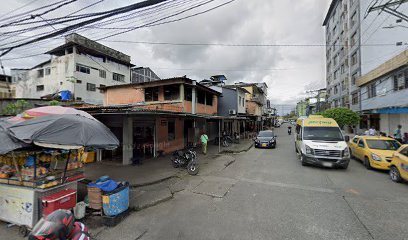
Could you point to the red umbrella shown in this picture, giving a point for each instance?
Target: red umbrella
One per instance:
(54, 110)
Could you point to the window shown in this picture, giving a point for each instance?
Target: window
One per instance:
(102, 73)
(400, 81)
(354, 98)
(372, 90)
(83, 69)
(78, 81)
(91, 87)
(40, 88)
(188, 93)
(240, 99)
(354, 18)
(79, 99)
(336, 103)
(151, 94)
(361, 143)
(118, 77)
(354, 39)
(200, 97)
(209, 99)
(336, 74)
(171, 92)
(354, 78)
(171, 130)
(101, 86)
(40, 73)
(336, 89)
(354, 59)
(342, 69)
(355, 140)
(47, 71)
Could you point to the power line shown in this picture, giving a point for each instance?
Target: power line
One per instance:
(16, 9)
(77, 25)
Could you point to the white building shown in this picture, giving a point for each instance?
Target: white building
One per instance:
(357, 43)
(80, 66)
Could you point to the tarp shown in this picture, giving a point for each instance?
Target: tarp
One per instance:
(8, 143)
(70, 130)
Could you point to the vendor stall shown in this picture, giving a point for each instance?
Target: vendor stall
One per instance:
(27, 177)
(41, 161)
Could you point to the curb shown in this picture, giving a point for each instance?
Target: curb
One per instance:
(153, 182)
(239, 151)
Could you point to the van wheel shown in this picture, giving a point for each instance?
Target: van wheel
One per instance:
(367, 163)
(395, 174)
(296, 149)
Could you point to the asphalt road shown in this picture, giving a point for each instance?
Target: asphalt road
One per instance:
(267, 194)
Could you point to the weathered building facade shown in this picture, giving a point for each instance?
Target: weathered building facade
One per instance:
(80, 66)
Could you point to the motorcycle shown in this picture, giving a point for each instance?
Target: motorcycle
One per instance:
(289, 131)
(187, 159)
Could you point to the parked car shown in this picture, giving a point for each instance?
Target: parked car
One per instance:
(374, 151)
(277, 125)
(399, 165)
(265, 139)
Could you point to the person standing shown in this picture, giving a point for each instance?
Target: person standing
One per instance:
(204, 141)
(398, 134)
(372, 131)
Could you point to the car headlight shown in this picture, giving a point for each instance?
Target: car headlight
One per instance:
(257, 141)
(309, 150)
(375, 157)
(346, 152)
(272, 140)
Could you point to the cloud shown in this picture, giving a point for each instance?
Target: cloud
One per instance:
(288, 71)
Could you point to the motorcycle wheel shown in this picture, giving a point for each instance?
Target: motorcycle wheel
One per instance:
(192, 168)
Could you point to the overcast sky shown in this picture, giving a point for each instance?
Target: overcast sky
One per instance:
(288, 71)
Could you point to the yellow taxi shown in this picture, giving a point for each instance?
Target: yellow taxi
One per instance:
(399, 165)
(374, 151)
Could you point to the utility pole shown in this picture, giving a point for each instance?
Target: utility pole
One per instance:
(387, 7)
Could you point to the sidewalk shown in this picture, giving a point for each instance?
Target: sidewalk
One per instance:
(157, 169)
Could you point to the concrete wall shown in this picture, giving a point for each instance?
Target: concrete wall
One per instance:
(386, 96)
(228, 101)
(253, 108)
(162, 135)
(131, 95)
(115, 96)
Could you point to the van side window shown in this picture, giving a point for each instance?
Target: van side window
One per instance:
(361, 143)
(355, 140)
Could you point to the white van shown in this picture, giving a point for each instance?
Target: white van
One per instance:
(319, 141)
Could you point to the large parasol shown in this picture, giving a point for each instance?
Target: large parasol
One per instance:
(64, 131)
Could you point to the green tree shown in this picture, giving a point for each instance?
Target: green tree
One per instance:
(343, 116)
(15, 108)
(54, 103)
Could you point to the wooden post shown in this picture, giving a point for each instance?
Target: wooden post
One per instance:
(66, 167)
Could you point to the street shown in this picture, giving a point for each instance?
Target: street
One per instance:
(269, 195)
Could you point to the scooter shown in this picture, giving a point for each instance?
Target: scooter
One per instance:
(289, 131)
(187, 160)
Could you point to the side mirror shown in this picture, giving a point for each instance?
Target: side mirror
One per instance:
(347, 138)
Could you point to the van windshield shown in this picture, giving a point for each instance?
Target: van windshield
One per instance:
(322, 134)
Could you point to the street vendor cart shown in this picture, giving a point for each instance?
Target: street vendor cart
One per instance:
(40, 161)
(28, 177)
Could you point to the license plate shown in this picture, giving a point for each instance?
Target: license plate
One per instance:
(264, 144)
(327, 164)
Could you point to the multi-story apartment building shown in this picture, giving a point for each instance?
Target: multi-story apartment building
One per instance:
(79, 67)
(356, 43)
(143, 74)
